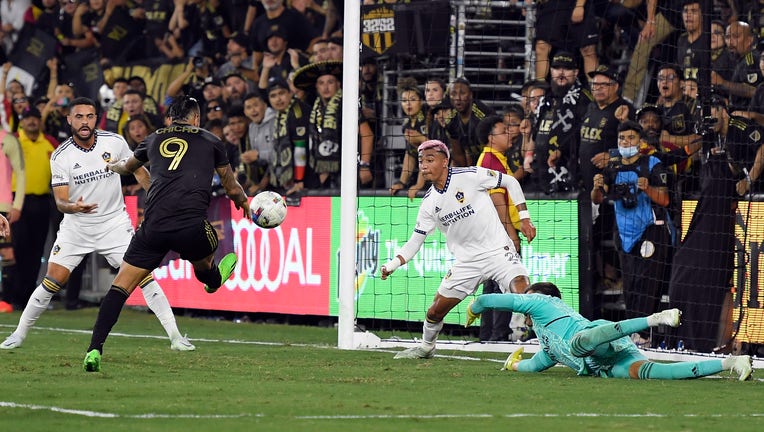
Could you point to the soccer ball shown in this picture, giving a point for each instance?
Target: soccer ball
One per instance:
(268, 209)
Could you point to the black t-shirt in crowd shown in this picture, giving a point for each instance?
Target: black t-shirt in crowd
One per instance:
(599, 133)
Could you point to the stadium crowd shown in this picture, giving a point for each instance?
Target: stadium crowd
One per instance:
(607, 125)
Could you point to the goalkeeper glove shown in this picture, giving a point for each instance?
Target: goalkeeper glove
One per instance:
(513, 359)
(471, 317)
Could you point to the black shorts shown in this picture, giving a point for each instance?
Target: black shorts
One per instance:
(192, 242)
(553, 26)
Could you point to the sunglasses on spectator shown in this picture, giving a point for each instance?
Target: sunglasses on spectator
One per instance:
(215, 108)
(20, 100)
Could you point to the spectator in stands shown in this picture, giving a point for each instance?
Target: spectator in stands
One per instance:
(678, 109)
(531, 95)
(279, 61)
(747, 75)
(72, 35)
(690, 88)
(313, 12)
(214, 110)
(663, 18)
(156, 26)
(710, 239)
(414, 133)
(755, 109)
(325, 127)
(191, 82)
(557, 132)
(299, 32)
(19, 103)
(334, 46)
(132, 106)
(722, 60)
(258, 153)
(214, 29)
(235, 86)
(599, 129)
(150, 104)
(12, 20)
(513, 117)
(31, 229)
(137, 129)
(212, 90)
(320, 51)
(366, 140)
(692, 46)
(290, 138)
(637, 186)
(239, 60)
(565, 25)
(438, 112)
(43, 16)
(370, 92)
(462, 129)
(55, 111)
(115, 29)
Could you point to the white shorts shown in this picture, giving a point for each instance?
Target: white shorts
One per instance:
(109, 239)
(464, 277)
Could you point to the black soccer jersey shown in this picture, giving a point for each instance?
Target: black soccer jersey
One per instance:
(183, 159)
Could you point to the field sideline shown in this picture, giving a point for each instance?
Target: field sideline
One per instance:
(292, 378)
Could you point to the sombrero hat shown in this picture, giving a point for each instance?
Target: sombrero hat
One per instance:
(305, 78)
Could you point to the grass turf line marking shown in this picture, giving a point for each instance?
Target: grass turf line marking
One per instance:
(97, 414)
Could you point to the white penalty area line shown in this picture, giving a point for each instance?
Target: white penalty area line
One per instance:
(150, 416)
(97, 414)
(523, 415)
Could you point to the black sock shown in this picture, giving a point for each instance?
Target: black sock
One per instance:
(108, 314)
(210, 277)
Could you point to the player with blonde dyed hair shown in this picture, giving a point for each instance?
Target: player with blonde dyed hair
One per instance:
(458, 205)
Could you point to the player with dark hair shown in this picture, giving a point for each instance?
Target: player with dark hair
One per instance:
(94, 220)
(183, 158)
(457, 204)
(600, 348)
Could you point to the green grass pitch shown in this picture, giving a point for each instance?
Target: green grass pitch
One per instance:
(265, 377)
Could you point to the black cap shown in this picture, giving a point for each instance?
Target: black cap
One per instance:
(31, 111)
(606, 71)
(276, 83)
(276, 30)
(240, 39)
(646, 108)
(211, 81)
(564, 60)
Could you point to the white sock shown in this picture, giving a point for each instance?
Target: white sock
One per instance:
(38, 303)
(652, 320)
(430, 333)
(728, 362)
(157, 302)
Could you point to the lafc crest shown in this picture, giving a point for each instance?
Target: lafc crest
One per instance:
(378, 29)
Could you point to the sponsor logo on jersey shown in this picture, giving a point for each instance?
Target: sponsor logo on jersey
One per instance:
(76, 166)
(755, 136)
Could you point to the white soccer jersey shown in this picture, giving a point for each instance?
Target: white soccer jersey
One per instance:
(464, 212)
(85, 173)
